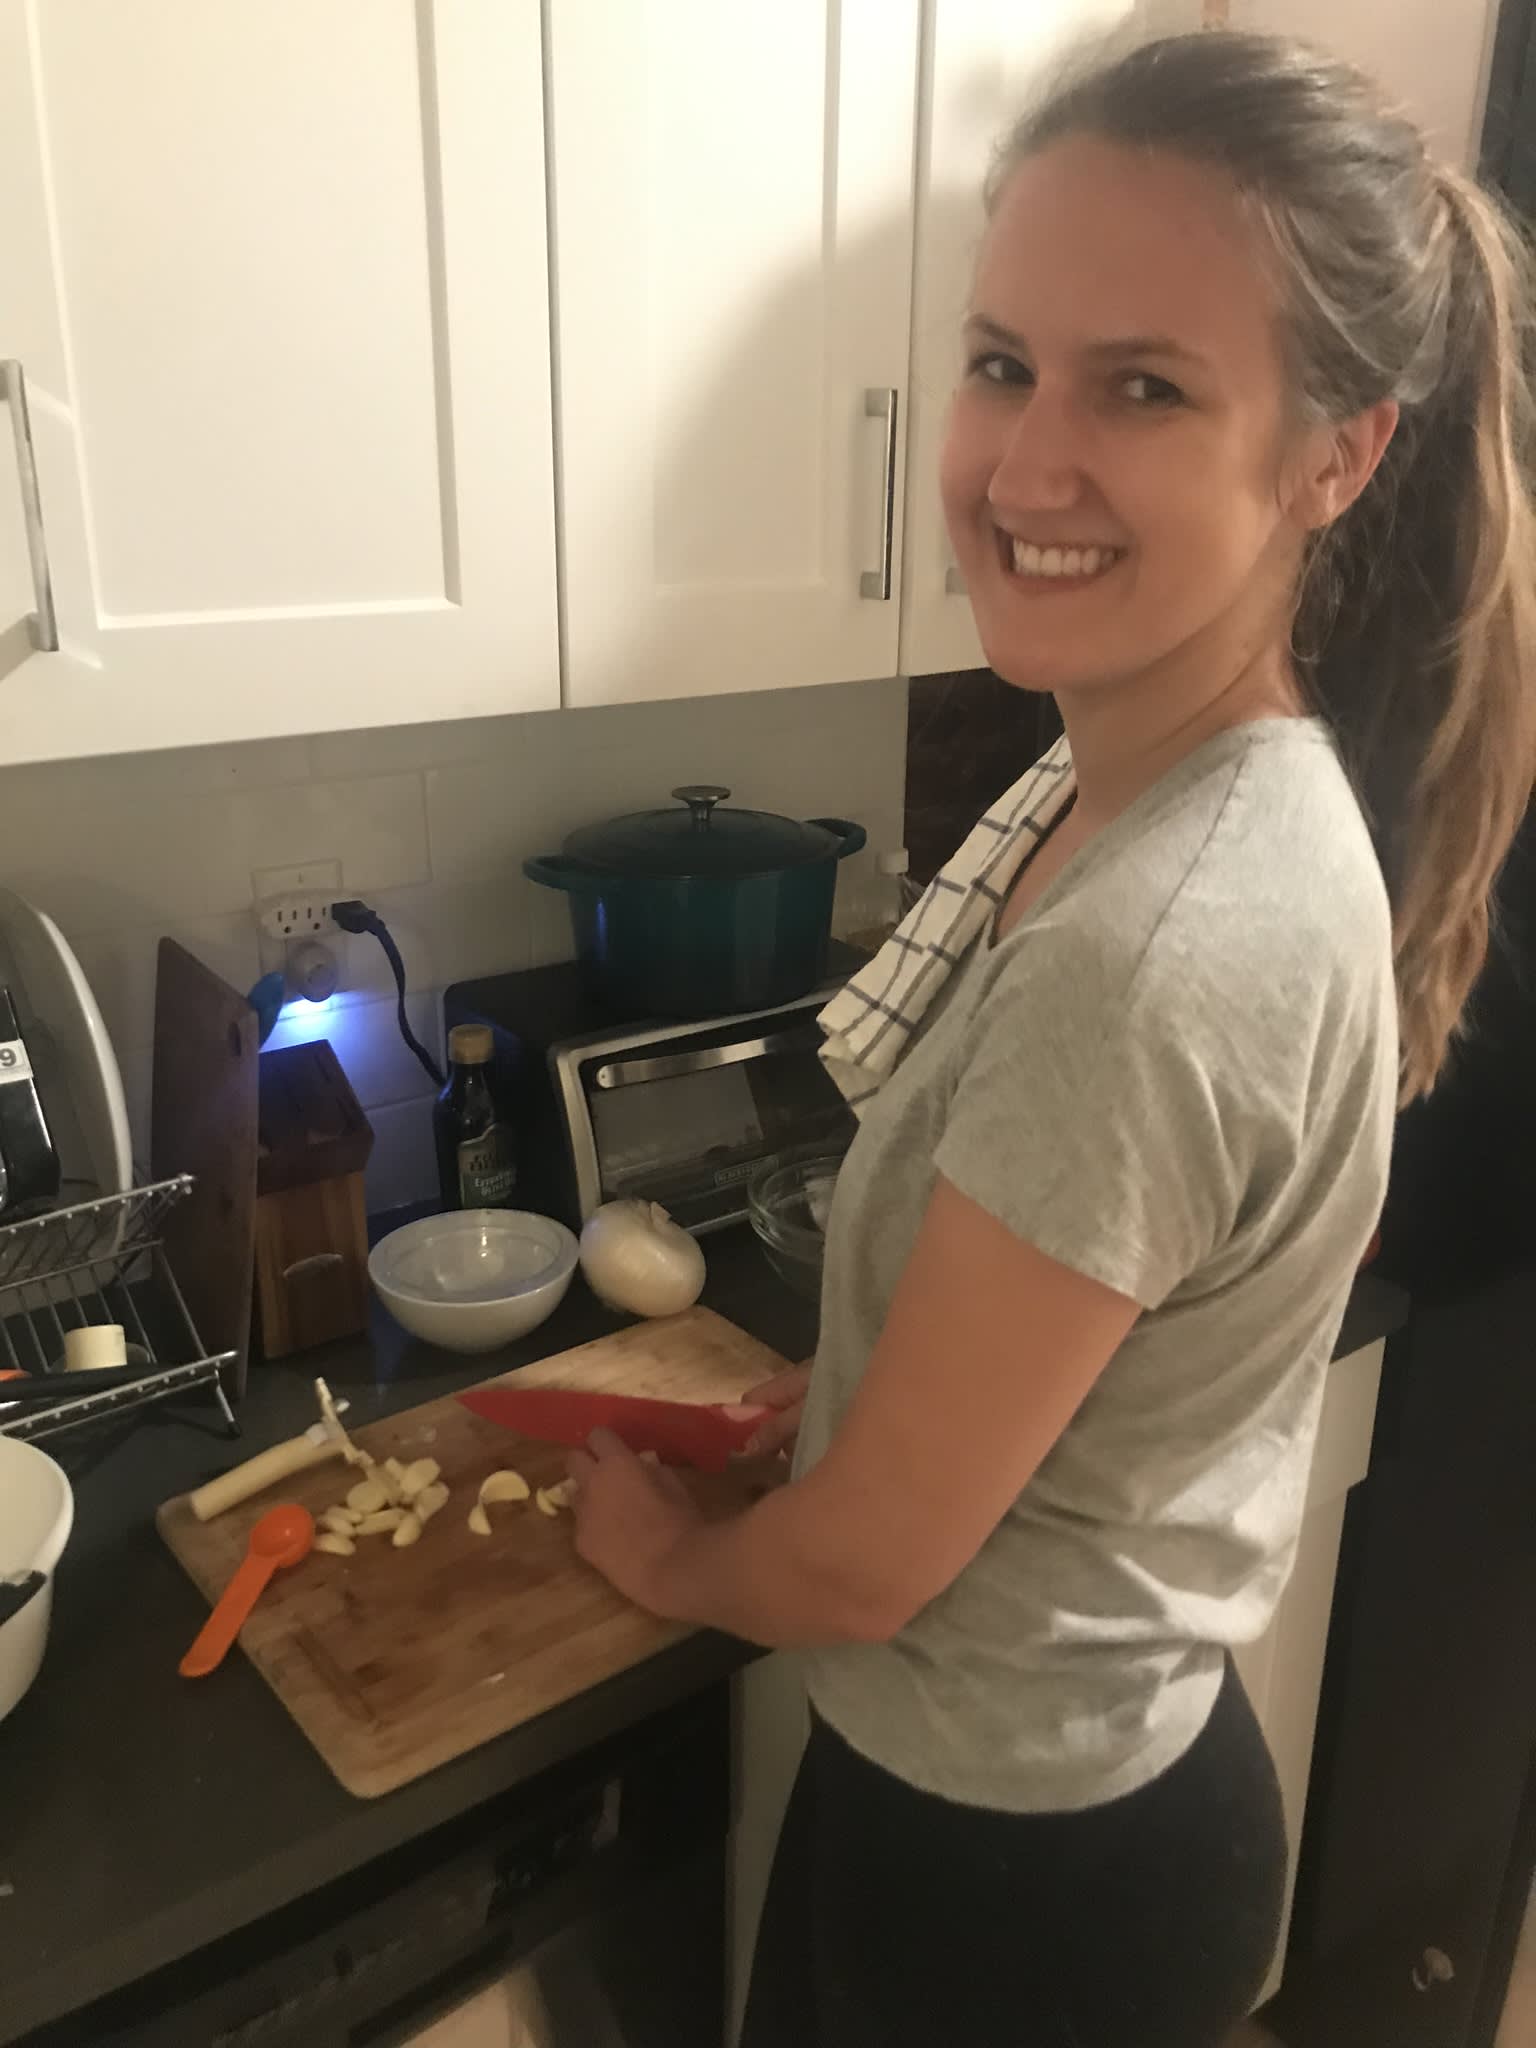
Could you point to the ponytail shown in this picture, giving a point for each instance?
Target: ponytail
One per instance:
(1478, 756)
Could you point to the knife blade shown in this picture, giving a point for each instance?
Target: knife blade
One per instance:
(705, 1434)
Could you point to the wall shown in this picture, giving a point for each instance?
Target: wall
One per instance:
(431, 824)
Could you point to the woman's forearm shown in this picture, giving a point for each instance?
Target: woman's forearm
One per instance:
(781, 1573)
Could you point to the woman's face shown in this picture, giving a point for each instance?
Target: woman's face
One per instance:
(1115, 474)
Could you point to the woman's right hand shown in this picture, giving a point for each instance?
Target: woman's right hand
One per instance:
(786, 1392)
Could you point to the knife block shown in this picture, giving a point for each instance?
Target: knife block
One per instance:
(311, 1229)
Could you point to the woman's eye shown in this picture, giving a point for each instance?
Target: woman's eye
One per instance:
(993, 367)
(1141, 388)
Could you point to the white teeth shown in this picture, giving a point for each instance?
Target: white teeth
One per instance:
(1030, 560)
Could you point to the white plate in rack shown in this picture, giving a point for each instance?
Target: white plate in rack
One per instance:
(78, 1078)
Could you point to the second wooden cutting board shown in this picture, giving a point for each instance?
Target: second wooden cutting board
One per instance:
(394, 1661)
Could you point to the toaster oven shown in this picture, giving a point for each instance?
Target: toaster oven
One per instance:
(682, 1113)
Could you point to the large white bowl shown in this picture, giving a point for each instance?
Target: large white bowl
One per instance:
(37, 1512)
(474, 1278)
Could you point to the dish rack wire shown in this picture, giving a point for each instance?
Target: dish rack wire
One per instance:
(100, 1262)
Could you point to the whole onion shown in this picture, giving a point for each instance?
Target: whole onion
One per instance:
(637, 1259)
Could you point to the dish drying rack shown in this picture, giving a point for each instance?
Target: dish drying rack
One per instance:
(99, 1262)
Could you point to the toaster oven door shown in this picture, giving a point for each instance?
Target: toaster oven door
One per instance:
(691, 1119)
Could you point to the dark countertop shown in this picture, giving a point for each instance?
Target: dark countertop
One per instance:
(142, 1818)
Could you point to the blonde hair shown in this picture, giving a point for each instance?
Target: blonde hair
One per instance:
(1416, 616)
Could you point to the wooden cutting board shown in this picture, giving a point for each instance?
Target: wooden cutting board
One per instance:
(394, 1661)
(203, 1122)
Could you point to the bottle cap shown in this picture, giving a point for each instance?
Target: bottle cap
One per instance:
(470, 1045)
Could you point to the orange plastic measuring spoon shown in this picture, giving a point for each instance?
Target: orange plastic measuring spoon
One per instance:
(280, 1538)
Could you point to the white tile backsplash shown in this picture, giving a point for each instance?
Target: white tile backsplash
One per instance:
(376, 827)
(431, 824)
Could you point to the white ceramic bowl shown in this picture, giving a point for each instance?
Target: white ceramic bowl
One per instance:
(37, 1512)
(474, 1278)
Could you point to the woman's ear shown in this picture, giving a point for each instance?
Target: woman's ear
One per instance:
(1339, 462)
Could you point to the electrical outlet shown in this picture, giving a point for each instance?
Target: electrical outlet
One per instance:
(295, 902)
(292, 904)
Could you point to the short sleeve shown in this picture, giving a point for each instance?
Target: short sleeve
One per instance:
(1087, 1117)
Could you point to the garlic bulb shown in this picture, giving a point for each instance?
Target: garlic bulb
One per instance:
(637, 1259)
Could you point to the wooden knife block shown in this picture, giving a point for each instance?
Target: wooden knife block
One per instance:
(311, 1228)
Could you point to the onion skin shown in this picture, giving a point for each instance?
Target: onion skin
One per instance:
(638, 1262)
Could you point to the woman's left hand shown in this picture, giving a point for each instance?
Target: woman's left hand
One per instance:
(630, 1516)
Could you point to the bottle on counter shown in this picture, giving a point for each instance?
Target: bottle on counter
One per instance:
(476, 1161)
(897, 894)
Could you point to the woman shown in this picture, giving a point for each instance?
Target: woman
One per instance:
(1235, 471)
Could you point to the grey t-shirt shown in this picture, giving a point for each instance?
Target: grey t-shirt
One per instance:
(1177, 1075)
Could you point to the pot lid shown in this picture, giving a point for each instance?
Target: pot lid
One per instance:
(699, 837)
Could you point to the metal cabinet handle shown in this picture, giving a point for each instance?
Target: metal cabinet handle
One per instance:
(881, 404)
(42, 625)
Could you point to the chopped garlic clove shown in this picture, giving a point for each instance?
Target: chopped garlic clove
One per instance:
(335, 1545)
(409, 1532)
(503, 1486)
(340, 1521)
(381, 1523)
(368, 1496)
(479, 1520)
(419, 1476)
(429, 1500)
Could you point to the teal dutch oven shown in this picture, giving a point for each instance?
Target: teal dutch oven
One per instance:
(701, 910)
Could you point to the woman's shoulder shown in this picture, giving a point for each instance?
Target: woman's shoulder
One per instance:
(1250, 895)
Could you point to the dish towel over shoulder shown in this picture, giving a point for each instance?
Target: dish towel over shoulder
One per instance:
(870, 1021)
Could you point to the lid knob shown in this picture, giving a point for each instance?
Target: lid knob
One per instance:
(701, 798)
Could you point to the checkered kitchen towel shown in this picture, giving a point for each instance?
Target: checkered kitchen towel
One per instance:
(869, 1022)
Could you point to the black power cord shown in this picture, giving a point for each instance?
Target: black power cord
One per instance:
(353, 916)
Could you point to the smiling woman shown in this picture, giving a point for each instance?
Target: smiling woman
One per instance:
(1235, 472)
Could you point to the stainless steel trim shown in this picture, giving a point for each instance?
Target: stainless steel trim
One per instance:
(565, 1071)
(43, 624)
(880, 403)
(625, 1073)
(954, 582)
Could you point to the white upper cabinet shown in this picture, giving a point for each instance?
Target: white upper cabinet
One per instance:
(732, 208)
(276, 275)
(984, 61)
(1431, 57)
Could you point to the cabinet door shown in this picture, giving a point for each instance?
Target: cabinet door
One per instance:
(1283, 1670)
(732, 199)
(1430, 57)
(984, 60)
(278, 279)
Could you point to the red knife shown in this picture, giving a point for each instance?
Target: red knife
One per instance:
(705, 1434)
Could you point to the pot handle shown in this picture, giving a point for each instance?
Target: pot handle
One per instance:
(557, 871)
(853, 836)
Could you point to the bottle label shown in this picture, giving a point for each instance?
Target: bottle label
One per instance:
(14, 1064)
(487, 1173)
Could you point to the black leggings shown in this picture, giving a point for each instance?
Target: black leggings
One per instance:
(894, 1917)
